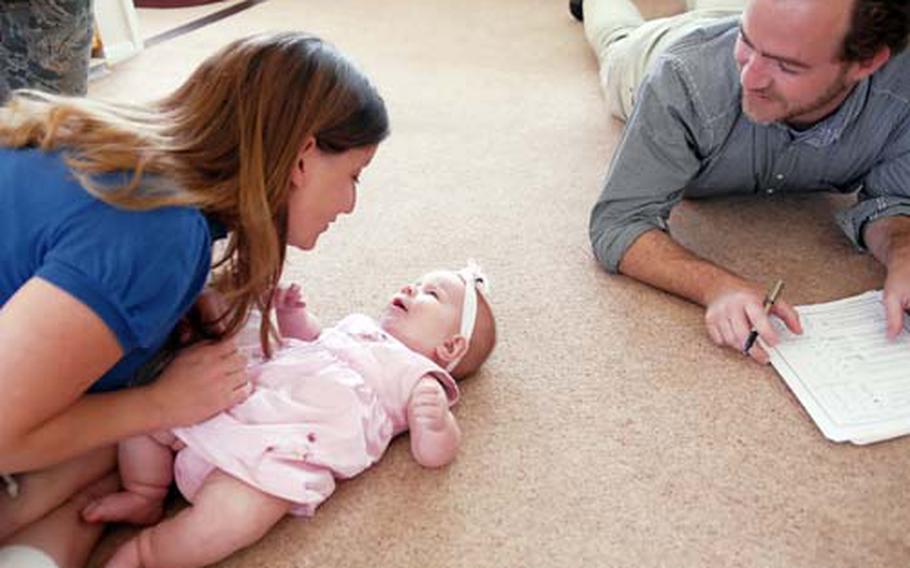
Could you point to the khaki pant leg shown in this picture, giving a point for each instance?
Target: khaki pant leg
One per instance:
(625, 53)
(608, 20)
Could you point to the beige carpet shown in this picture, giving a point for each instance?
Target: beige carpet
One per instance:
(606, 430)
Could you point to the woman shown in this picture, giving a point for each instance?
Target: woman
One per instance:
(107, 216)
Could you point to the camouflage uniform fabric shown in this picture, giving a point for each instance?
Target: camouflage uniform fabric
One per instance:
(45, 45)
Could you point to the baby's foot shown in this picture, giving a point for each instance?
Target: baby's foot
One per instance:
(124, 507)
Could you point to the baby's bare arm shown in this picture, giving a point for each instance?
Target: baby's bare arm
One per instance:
(294, 320)
(435, 435)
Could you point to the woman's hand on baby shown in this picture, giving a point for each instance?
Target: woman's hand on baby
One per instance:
(202, 380)
(429, 405)
(294, 320)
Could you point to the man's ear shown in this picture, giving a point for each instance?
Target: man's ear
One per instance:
(866, 67)
(451, 349)
(298, 170)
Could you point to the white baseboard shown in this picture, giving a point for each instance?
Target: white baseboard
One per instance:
(118, 27)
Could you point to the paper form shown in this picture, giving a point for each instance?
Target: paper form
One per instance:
(852, 380)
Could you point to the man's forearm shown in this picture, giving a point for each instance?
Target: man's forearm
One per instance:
(657, 260)
(888, 240)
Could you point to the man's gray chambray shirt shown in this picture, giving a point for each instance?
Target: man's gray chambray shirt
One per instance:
(688, 137)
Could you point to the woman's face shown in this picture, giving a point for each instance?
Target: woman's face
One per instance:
(323, 186)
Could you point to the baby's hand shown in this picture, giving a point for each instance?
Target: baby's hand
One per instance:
(294, 320)
(288, 298)
(429, 405)
(435, 435)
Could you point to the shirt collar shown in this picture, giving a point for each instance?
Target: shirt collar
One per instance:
(829, 130)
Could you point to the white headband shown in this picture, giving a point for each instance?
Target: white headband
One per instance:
(474, 281)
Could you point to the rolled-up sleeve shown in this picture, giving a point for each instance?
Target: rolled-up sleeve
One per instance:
(657, 157)
(885, 191)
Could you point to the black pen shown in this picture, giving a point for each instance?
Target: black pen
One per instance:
(773, 293)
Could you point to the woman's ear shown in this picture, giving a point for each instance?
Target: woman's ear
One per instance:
(298, 170)
(451, 349)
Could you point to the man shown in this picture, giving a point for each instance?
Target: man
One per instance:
(796, 95)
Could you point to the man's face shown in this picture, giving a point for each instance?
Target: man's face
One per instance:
(788, 53)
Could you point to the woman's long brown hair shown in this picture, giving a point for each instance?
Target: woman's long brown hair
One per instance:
(224, 142)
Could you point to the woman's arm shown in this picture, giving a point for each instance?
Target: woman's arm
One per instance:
(435, 435)
(53, 347)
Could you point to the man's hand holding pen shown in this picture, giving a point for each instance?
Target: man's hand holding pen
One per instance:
(737, 311)
(767, 305)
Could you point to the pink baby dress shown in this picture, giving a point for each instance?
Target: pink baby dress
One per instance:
(320, 410)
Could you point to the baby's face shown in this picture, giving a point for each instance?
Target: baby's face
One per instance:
(424, 314)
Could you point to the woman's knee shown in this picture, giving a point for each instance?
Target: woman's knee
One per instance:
(43, 491)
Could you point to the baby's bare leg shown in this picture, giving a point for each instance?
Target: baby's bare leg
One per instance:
(146, 471)
(227, 515)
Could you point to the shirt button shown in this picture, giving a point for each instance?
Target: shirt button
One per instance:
(770, 191)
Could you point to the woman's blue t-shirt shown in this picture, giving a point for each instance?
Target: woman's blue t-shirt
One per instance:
(139, 271)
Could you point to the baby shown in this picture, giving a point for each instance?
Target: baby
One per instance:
(325, 406)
